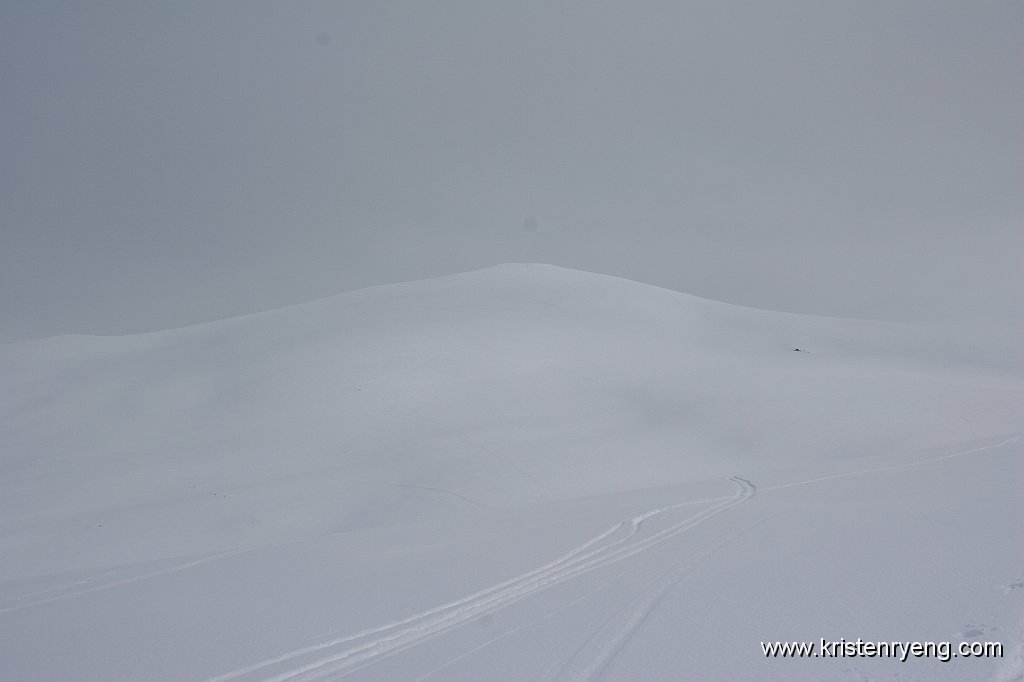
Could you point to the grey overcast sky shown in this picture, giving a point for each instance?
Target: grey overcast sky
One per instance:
(165, 163)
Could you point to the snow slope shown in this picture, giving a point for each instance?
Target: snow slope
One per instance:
(524, 472)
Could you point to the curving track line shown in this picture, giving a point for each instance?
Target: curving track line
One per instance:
(344, 655)
(340, 657)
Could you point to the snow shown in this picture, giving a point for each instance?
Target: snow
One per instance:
(524, 472)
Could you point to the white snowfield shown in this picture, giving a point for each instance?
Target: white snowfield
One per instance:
(520, 473)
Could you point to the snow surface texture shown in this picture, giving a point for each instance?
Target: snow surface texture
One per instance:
(520, 473)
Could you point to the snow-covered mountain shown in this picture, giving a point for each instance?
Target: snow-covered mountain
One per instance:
(425, 479)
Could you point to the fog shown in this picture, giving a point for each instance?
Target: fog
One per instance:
(171, 163)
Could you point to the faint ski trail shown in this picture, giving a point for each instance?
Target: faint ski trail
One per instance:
(894, 467)
(107, 586)
(594, 657)
(615, 544)
(599, 651)
(398, 635)
(503, 635)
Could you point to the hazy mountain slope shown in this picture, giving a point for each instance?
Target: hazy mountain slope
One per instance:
(490, 388)
(523, 472)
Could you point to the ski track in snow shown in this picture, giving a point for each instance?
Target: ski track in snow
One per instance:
(615, 544)
(597, 653)
(106, 586)
(619, 542)
(895, 467)
(427, 675)
(363, 648)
